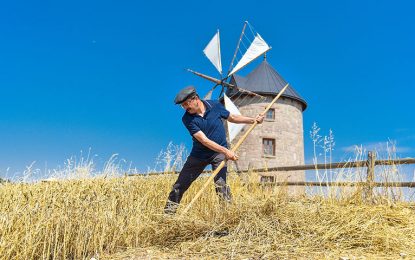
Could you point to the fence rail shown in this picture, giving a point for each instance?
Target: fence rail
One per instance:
(370, 163)
(337, 165)
(369, 184)
(346, 184)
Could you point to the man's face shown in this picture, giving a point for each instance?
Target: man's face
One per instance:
(190, 105)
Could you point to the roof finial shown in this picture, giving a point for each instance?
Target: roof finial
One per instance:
(265, 56)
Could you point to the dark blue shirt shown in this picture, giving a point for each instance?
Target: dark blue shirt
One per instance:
(210, 124)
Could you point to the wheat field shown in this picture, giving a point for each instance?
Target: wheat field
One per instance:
(122, 218)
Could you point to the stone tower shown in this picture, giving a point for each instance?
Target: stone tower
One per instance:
(278, 141)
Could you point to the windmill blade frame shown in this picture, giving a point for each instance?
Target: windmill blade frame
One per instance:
(256, 49)
(212, 51)
(237, 48)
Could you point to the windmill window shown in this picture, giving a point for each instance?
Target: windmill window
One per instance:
(268, 146)
(267, 179)
(270, 115)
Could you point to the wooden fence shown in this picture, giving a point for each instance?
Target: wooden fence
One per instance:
(370, 163)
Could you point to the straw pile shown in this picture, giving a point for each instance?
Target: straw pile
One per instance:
(122, 218)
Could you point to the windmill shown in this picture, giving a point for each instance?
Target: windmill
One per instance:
(255, 49)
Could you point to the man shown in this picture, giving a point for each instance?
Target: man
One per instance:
(203, 120)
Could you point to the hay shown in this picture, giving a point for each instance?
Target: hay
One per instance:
(122, 218)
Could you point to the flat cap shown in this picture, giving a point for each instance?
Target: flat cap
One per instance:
(184, 94)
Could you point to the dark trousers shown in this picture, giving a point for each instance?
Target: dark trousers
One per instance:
(191, 170)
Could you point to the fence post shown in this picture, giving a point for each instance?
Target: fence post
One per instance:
(371, 158)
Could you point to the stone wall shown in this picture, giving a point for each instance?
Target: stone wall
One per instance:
(286, 129)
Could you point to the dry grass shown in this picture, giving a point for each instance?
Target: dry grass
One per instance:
(122, 217)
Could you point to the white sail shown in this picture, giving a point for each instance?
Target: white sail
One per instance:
(233, 128)
(208, 95)
(212, 52)
(256, 49)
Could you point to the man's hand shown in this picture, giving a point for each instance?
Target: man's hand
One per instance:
(259, 118)
(231, 155)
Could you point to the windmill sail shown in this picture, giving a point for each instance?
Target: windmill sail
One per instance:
(212, 52)
(256, 49)
(233, 129)
(208, 95)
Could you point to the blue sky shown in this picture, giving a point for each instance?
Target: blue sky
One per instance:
(102, 74)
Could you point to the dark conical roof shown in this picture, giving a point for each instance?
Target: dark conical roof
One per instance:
(265, 80)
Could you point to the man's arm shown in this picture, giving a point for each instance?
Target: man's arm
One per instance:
(239, 119)
(201, 137)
